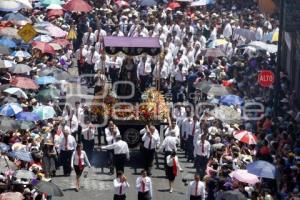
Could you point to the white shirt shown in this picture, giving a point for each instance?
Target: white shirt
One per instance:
(72, 122)
(80, 53)
(176, 129)
(57, 139)
(110, 138)
(170, 162)
(258, 34)
(119, 147)
(190, 127)
(200, 191)
(71, 144)
(117, 184)
(100, 33)
(79, 113)
(180, 75)
(99, 46)
(227, 32)
(198, 150)
(101, 64)
(155, 139)
(92, 58)
(169, 143)
(148, 184)
(88, 133)
(83, 156)
(91, 40)
(144, 68)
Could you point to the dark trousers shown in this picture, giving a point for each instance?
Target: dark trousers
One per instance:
(200, 164)
(88, 147)
(65, 158)
(90, 73)
(80, 68)
(119, 161)
(113, 74)
(99, 131)
(110, 160)
(148, 155)
(79, 131)
(190, 147)
(119, 197)
(144, 196)
(192, 197)
(145, 82)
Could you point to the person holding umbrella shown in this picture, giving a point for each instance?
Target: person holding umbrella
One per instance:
(172, 168)
(78, 162)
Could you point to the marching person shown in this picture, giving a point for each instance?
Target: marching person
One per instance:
(79, 113)
(151, 141)
(196, 189)
(111, 131)
(121, 186)
(121, 152)
(80, 57)
(89, 37)
(201, 154)
(88, 133)
(144, 186)
(172, 169)
(67, 146)
(78, 162)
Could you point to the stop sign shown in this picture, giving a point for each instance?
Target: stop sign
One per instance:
(266, 78)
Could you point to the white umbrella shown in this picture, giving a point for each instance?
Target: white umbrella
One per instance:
(6, 64)
(244, 176)
(25, 3)
(272, 48)
(10, 6)
(16, 91)
(43, 38)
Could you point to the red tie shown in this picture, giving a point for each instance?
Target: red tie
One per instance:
(66, 143)
(80, 165)
(120, 191)
(174, 167)
(196, 189)
(150, 142)
(92, 58)
(71, 122)
(202, 147)
(194, 126)
(81, 61)
(143, 186)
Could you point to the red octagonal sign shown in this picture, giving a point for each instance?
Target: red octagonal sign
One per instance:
(266, 78)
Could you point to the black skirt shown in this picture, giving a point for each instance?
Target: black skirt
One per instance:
(170, 174)
(78, 171)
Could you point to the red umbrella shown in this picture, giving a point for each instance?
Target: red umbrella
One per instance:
(55, 13)
(245, 137)
(173, 5)
(122, 3)
(44, 47)
(77, 6)
(25, 83)
(61, 42)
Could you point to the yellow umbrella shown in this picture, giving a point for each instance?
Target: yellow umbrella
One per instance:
(275, 37)
(220, 42)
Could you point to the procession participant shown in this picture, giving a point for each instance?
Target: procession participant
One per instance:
(91, 59)
(144, 73)
(172, 169)
(196, 189)
(89, 37)
(173, 128)
(88, 133)
(99, 33)
(80, 57)
(79, 161)
(151, 141)
(201, 154)
(121, 152)
(115, 63)
(121, 186)
(67, 146)
(102, 63)
(144, 186)
(111, 131)
(79, 113)
(99, 45)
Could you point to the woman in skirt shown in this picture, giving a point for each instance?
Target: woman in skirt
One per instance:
(78, 162)
(172, 169)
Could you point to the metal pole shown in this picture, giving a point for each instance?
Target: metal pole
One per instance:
(279, 60)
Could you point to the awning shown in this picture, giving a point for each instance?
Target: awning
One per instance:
(132, 46)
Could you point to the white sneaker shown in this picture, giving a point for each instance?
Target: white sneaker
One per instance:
(171, 190)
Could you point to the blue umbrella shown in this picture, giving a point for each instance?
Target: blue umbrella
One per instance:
(10, 109)
(45, 80)
(14, 17)
(4, 147)
(23, 54)
(229, 100)
(28, 116)
(8, 43)
(21, 155)
(262, 169)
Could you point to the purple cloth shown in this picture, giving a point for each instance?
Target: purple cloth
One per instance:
(141, 42)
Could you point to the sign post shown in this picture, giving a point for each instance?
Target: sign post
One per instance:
(266, 78)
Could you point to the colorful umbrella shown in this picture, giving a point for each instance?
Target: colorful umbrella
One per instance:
(55, 46)
(77, 6)
(122, 3)
(244, 176)
(56, 31)
(16, 91)
(25, 83)
(272, 48)
(226, 114)
(6, 64)
(49, 188)
(10, 109)
(44, 80)
(245, 137)
(8, 42)
(43, 38)
(215, 90)
(7, 123)
(55, 13)
(174, 5)
(16, 18)
(28, 116)
(47, 95)
(10, 6)
(9, 32)
(23, 54)
(262, 169)
(229, 100)
(44, 112)
(26, 125)
(20, 69)
(24, 174)
(4, 50)
(44, 47)
(21, 155)
(213, 52)
(4, 147)
(11, 196)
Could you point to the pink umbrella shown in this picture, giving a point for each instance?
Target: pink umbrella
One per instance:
(61, 42)
(244, 176)
(11, 196)
(44, 47)
(55, 13)
(56, 31)
(25, 83)
(77, 6)
(245, 137)
(122, 3)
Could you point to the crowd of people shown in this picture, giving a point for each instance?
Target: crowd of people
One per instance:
(55, 133)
